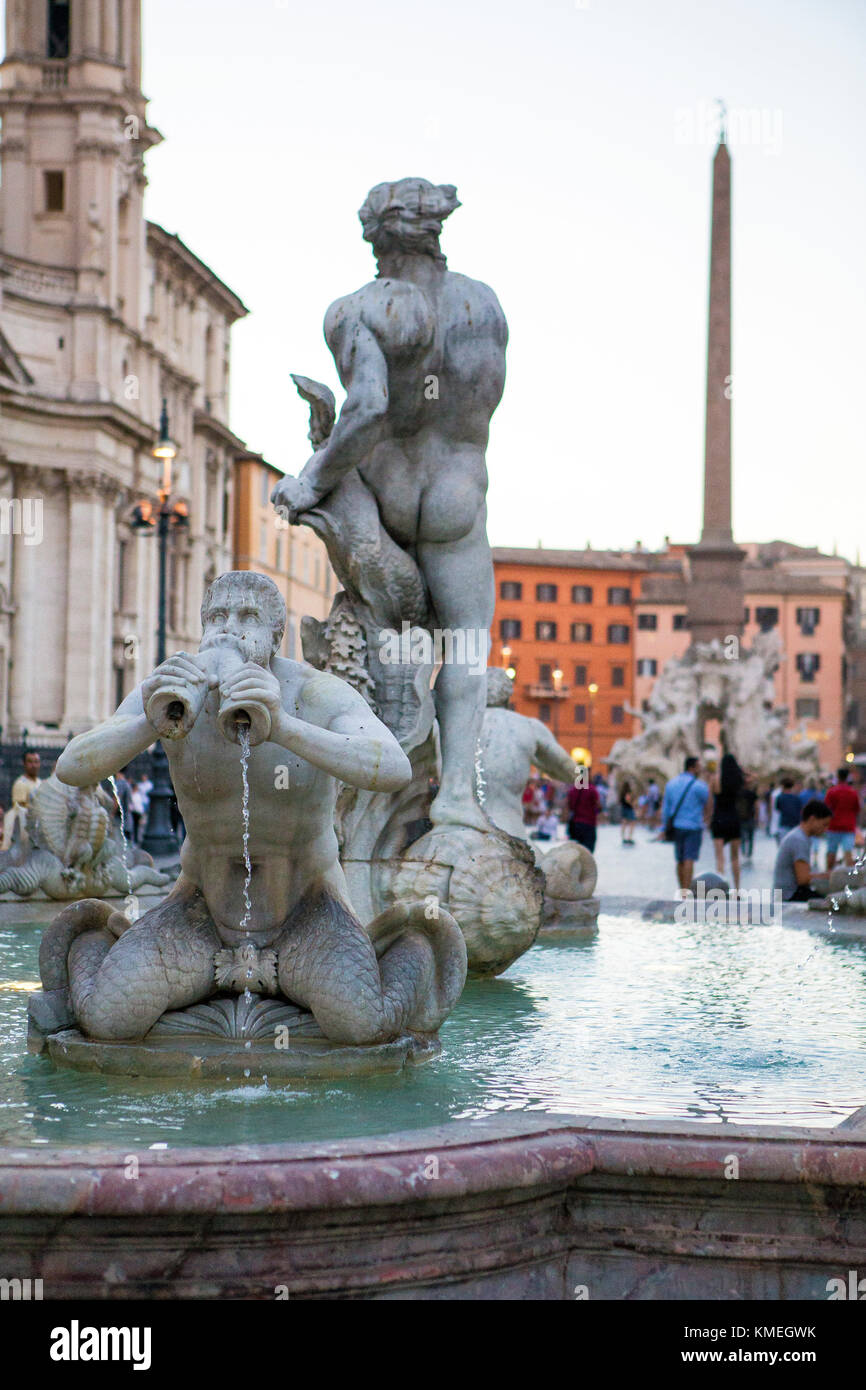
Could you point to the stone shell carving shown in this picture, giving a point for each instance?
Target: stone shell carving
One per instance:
(570, 872)
(239, 1016)
(488, 881)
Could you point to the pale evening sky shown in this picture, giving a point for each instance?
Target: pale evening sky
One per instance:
(579, 136)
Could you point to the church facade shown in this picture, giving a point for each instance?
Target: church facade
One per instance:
(103, 315)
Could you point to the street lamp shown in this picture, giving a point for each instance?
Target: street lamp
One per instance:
(557, 682)
(159, 838)
(593, 691)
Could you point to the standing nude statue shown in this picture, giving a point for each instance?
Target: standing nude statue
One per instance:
(420, 352)
(301, 939)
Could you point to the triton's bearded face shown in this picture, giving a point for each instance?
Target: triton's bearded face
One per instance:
(244, 611)
(407, 216)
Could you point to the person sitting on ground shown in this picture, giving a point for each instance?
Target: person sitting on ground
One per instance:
(842, 830)
(792, 875)
(788, 808)
(548, 826)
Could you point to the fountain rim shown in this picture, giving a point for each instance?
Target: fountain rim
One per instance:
(474, 1157)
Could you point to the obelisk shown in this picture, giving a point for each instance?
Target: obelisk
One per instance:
(715, 588)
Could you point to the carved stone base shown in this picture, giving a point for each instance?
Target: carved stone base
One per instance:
(230, 1039)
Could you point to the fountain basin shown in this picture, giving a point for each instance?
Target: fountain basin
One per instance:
(511, 1207)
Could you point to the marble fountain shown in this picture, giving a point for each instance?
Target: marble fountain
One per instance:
(304, 1072)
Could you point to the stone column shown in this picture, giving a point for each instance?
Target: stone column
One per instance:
(92, 17)
(715, 588)
(90, 600)
(717, 449)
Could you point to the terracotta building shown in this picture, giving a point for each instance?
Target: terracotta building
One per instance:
(565, 623)
(292, 556)
(815, 602)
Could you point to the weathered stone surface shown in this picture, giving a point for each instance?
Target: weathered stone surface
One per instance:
(509, 1207)
(210, 1058)
(567, 917)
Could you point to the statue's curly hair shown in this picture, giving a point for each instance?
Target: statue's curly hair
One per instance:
(408, 215)
(268, 598)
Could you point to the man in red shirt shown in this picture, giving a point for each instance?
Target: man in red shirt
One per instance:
(845, 805)
(584, 804)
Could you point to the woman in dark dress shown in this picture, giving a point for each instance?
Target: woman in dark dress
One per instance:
(725, 825)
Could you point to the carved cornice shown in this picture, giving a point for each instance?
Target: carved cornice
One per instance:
(83, 483)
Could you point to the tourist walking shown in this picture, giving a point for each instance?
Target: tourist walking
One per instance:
(136, 809)
(683, 810)
(793, 876)
(788, 808)
(748, 805)
(725, 829)
(584, 808)
(627, 814)
(844, 804)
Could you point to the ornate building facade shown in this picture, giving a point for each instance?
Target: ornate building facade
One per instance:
(102, 316)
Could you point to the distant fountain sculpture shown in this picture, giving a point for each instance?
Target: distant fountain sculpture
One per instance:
(258, 941)
(733, 686)
(511, 745)
(396, 488)
(74, 849)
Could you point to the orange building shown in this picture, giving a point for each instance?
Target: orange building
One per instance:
(292, 556)
(565, 622)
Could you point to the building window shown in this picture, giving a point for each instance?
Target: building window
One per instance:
(746, 613)
(545, 671)
(807, 664)
(617, 714)
(808, 619)
(546, 593)
(618, 595)
(581, 632)
(510, 589)
(265, 495)
(617, 675)
(58, 29)
(766, 618)
(617, 633)
(544, 713)
(647, 622)
(55, 190)
(119, 696)
(263, 541)
(580, 714)
(278, 557)
(647, 666)
(581, 593)
(808, 709)
(680, 622)
(509, 629)
(545, 632)
(580, 675)
(854, 715)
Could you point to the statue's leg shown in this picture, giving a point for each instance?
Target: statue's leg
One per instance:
(459, 576)
(328, 963)
(119, 987)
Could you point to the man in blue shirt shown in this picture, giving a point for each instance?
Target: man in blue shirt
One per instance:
(685, 803)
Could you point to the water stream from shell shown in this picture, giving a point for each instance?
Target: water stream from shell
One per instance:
(131, 902)
(244, 741)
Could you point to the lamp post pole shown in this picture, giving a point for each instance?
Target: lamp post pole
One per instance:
(593, 691)
(159, 837)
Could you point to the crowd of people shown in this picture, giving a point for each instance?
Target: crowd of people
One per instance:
(729, 802)
(133, 797)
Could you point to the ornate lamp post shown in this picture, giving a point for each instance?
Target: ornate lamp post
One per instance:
(159, 838)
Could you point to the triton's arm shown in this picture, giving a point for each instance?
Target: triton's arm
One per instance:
(549, 757)
(364, 373)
